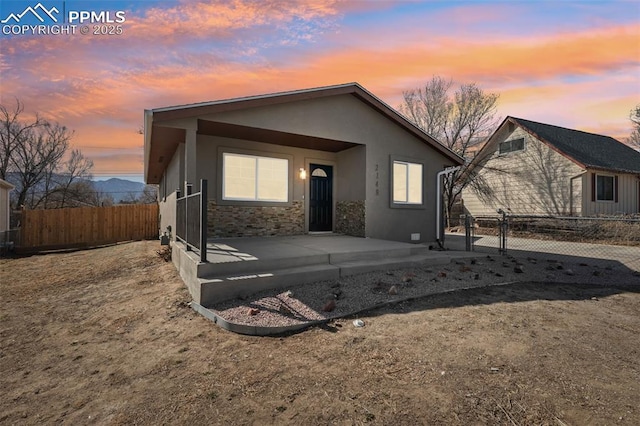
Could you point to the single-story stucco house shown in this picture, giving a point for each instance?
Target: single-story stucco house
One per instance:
(532, 168)
(329, 159)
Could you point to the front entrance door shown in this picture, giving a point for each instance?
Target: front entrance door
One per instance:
(321, 198)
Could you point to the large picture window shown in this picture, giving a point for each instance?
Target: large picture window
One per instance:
(407, 183)
(605, 188)
(253, 178)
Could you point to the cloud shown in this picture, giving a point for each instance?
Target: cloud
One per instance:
(224, 19)
(199, 51)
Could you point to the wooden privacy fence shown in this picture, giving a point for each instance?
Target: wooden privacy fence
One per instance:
(86, 226)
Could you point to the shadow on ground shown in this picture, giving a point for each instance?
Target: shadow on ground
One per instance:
(507, 293)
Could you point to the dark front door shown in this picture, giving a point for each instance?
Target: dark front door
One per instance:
(321, 198)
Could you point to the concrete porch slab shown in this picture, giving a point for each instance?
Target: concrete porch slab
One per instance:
(242, 266)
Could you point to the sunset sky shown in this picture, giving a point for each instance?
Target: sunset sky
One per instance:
(570, 63)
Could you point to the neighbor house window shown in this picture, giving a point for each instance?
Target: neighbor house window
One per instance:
(605, 188)
(512, 145)
(253, 178)
(407, 183)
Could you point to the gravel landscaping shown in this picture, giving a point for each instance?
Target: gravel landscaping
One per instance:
(351, 295)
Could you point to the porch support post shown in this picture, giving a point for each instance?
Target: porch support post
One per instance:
(203, 220)
(190, 158)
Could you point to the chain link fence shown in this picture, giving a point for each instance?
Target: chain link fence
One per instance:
(607, 239)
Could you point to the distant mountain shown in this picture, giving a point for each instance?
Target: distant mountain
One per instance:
(119, 189)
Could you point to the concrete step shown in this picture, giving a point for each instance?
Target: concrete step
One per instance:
(375, 255)
(249, 265)
(422, 260)
(215, 290)
(236, 263)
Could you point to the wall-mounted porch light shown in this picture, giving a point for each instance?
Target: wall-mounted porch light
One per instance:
(303, 173)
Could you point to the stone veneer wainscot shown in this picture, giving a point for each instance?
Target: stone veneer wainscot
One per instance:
(255, 221)
(350, 218)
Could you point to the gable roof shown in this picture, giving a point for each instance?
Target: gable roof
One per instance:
(158, 115)
(588, 150)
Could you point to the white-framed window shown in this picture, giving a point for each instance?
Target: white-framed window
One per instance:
(407, 182)
(254, 178)
(605, 188)
(511, 146)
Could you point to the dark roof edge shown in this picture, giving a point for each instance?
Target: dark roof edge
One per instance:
(519, 122)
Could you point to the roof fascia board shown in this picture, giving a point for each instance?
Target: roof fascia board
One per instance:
(186, 111)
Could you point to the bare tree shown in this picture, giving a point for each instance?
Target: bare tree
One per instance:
(31, 156)
(149, 195)
(67, 185)
(13, 132)
(634, 139)
(458, 120)
(77, 167)
(36, 157)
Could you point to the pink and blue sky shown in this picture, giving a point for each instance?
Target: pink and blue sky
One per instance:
(570, 63)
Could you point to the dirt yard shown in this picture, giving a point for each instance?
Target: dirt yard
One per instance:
(106, 336)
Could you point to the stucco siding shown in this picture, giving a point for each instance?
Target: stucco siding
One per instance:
(537, 180)
(172, 180)
(352, 184)
(344, 118)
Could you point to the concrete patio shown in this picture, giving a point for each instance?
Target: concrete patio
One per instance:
(237, 267)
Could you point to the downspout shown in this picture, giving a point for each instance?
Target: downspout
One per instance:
(447, 171)
(571, 202)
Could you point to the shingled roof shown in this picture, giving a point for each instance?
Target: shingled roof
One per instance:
(587, 149)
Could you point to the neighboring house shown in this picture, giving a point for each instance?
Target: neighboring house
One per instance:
(5, 212)
(330, 159)
(538, 169)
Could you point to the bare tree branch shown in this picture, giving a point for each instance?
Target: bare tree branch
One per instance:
(12, 134)
(31, 155)
(634, 139)
(458, 121)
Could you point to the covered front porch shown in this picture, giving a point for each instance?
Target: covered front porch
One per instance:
(238, 267)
